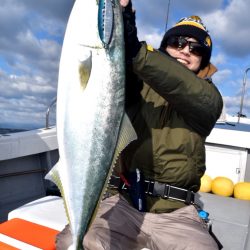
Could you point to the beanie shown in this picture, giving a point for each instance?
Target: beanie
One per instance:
(191, 27)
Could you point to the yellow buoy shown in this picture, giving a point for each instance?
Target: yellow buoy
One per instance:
(206, 184)
(242, 190)
(222, 186)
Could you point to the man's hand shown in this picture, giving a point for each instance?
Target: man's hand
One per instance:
(124, 3)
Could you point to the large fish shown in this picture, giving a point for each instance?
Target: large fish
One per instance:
(92, 127)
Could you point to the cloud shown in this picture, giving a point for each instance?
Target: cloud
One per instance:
(218, 59)
(32, 34)
(155, 14)
(150, 15)
(153, 36)
(233, 105)
(231, 26)
(222, 76)
(196, 7)
(24, 94)
(30, 47)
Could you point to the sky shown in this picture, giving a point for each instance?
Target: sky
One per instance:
(32, 34)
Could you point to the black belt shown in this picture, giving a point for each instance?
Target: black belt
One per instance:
(158, 189)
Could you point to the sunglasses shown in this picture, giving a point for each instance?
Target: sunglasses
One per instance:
(180, 42)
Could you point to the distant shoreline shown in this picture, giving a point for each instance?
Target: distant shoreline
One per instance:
(4, 131)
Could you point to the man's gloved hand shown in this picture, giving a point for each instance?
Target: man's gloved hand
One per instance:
(132, 44)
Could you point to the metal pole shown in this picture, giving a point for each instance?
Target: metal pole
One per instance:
(243, 93)
(47, 113)
(167, 15)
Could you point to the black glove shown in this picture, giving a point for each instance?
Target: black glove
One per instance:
(132, 44)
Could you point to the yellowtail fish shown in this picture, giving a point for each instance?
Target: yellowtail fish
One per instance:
(92, 128)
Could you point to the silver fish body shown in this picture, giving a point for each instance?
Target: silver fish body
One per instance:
(91, 125)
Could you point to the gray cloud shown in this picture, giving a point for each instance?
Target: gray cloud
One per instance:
(32, 33)
(231, 27)
(196, 6)
(30, 46)
(155, 14)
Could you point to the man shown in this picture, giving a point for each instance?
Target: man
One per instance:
(173, 106)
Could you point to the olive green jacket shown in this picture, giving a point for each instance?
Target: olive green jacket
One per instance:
(172, 110)
(173, 114)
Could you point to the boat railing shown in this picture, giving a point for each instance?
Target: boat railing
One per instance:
(48, 111)
(243, 93)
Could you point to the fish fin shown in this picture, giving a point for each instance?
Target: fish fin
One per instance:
(85, 66)
(126, 136)
(49, 175)
(53, 175)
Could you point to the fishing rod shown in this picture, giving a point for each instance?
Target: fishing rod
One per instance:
(166, 26)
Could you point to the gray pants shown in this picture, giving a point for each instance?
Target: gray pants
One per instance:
(118, 226)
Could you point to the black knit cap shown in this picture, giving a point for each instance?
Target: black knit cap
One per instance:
(191, 27)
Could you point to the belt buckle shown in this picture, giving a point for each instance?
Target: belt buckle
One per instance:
(167, 191)
(188, 195)
(149, 189)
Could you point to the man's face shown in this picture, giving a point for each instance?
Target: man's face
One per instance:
(185, 55)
